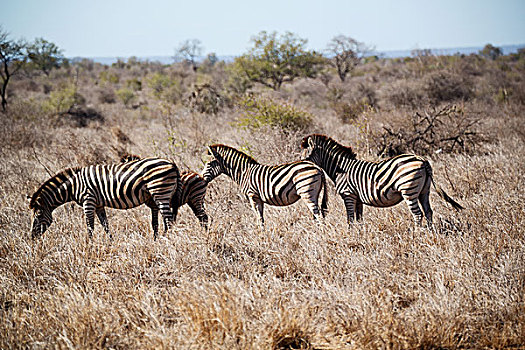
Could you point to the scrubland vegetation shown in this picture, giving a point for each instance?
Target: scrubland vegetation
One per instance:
(297, 285)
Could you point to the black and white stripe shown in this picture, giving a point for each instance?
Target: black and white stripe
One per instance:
(277, 185)
(193, 191)
(152, 181)
(380, 184)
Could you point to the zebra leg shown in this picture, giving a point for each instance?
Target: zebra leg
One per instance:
(350, 201)
(359, 210)
(166, 212)
(199, 212)
(89, 212)
(412, 202)
(312, 204)
(154, 217)
(258, 207)
(101, 213)
(155, 221)
(424, 200)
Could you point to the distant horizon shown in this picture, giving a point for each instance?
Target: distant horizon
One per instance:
(165, 59)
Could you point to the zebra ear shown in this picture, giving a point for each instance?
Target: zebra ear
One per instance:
(305, 141)
(28, 199)
(212, 152)
(308, 142)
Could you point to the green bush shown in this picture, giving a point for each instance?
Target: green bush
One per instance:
(62, 100)
(173, 94)
(108, 77)
(126, 96)
(237, 82)
(158, 83)
(260, 112)
(134, 84)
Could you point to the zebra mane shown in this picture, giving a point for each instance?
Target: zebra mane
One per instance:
(128, 157)
(223, 150)
(61, 176)
(190, 172)
(328, 144)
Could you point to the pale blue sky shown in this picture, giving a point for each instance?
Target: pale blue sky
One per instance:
(155, 27)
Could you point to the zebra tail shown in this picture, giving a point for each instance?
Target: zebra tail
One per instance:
(440, 191)
(324, 201)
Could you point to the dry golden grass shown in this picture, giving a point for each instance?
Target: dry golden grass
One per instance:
(297, 285)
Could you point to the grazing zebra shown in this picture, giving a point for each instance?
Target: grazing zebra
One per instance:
(151, 181)
(193, 191)
(277, 185)
(379, 184)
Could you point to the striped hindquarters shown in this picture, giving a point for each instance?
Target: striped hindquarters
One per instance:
(193, 189)
(385, 183)
(130, 184)
(284, 184)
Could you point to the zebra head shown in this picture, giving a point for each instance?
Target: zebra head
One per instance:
(211, 170)
(228, 160)
(310, 148)
(41, 219)
(327, 153)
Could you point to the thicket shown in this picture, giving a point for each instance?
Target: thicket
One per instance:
(449, 129)
(258, 112)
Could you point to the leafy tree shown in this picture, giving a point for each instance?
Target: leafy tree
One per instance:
(277, 59)
(12, 58)
(44, 55)
(345, 53)
(188, 51)
(491, 51)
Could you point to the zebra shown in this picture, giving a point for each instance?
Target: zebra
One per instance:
(193, 191)
(379, 184)
(152, 181)
(278, 185)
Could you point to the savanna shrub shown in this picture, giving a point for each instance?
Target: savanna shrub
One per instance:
(82, 115)
(126, 96)
(173, 94)
(404, 93)
(62, 100)
(108, 77)
(349, 109)
(260, 112)
(237, 83)
(348, 112)
(205, 99)
(449, 129)
(134, 84)
(106, 96)
(159, 83)
(443, 86)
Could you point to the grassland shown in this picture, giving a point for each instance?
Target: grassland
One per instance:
(378, 284)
